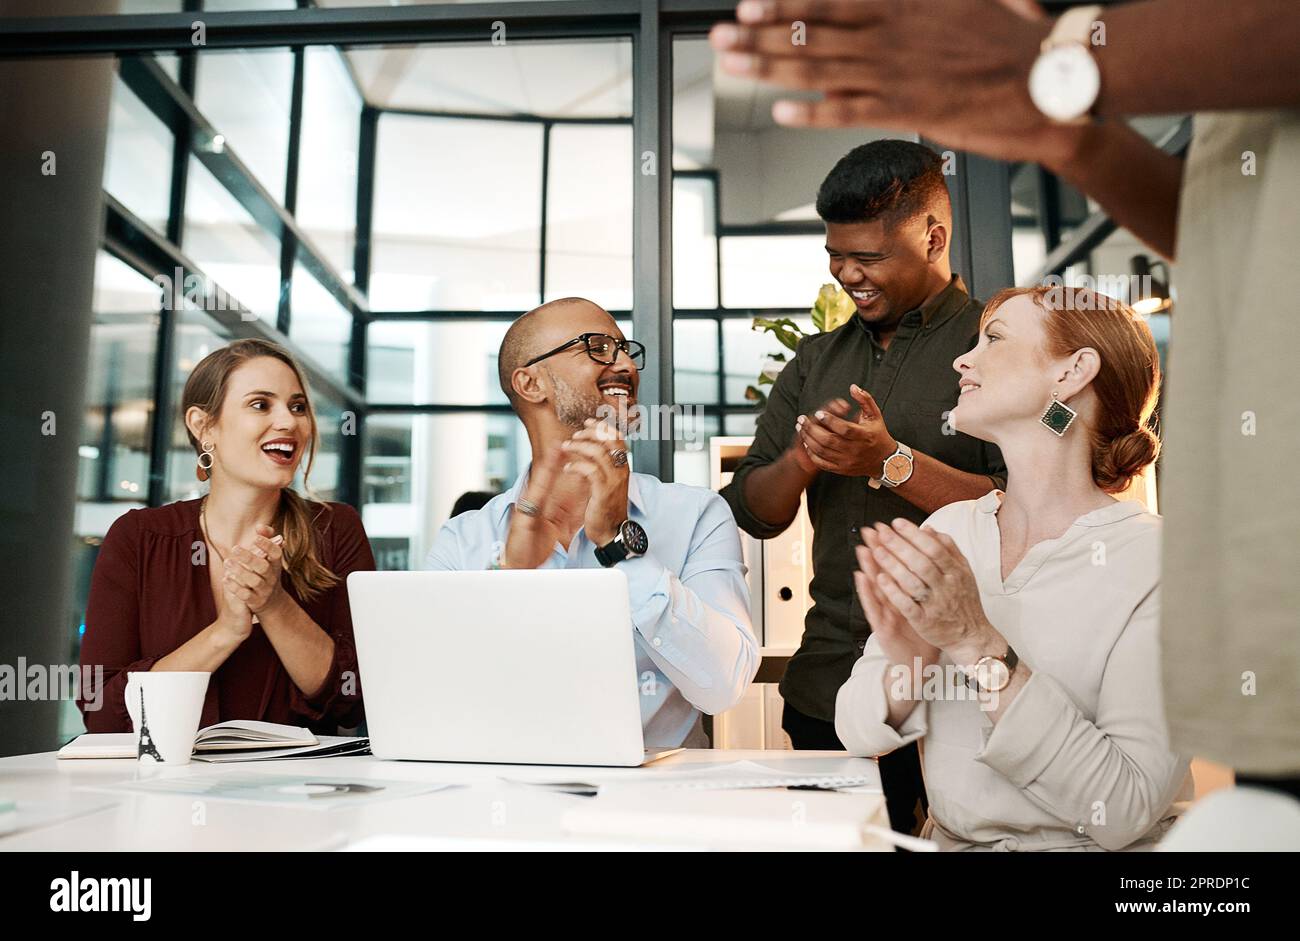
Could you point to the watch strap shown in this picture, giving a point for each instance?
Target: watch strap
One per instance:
(612, 552)
(1073, 26)
(618, 548)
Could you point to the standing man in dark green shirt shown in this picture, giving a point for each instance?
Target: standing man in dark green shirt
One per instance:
(859, 420)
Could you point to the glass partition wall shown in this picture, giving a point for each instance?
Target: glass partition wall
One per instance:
(502, 180)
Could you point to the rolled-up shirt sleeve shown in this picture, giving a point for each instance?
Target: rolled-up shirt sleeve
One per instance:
(697, 626)
(862, 709)
(1112, 777)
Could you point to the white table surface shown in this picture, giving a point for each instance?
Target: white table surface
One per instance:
(484, 811)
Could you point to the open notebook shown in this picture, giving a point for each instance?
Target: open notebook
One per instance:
(237, 735)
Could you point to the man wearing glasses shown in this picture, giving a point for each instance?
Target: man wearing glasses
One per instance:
(565, 366)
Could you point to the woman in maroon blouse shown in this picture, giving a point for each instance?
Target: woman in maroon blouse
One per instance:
(248, 582)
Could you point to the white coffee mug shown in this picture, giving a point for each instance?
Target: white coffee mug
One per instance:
(165, 708)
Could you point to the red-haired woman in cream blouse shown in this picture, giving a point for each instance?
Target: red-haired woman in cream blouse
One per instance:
(1016, 635)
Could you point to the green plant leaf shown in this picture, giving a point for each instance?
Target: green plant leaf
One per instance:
(784, 329)
(832, 308)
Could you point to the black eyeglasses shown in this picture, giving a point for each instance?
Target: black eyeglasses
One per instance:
(602, 348)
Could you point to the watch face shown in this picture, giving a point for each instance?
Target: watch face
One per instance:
(1064, 82)
(896, 468)
(992, 675)
(634, 538)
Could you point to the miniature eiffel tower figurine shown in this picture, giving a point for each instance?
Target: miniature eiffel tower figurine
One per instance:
(146, 740)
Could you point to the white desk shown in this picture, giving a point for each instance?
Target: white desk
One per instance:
(485, 811)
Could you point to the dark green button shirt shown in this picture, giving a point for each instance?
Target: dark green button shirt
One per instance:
(915, 386)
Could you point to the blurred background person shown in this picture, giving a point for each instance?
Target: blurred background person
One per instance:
(470, 500)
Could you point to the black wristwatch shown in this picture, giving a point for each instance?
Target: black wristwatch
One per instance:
(630, 542)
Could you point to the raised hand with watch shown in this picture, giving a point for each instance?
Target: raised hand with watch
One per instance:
(630, 543)
(1065, 80)
(548, 511)
(924, 578)
(858, 446)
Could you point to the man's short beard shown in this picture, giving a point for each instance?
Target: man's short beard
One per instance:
(573, 408)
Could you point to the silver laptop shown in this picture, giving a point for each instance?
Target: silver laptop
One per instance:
(524, 667)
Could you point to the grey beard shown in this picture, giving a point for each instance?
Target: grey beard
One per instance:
(573, 408)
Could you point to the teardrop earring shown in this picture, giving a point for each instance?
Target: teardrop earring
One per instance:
(1058, 416)
(202, 472)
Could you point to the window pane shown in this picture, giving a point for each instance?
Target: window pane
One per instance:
(694, 113)
(114, 449)
(451, 231)
(229, 246)
(410, 484)
(767, 172)
(745, 351)
(443, 363)
(741, 424)
(327, 162)
(773, 270)
(695, 257)
(137, 164)
(1028, 246)
(318, 325)
(589, 215)
(247, 97)
(691, 458)
(113, 462)
(196, 336)
(695, 361)
(324, 479)
(170, 63)
(566, 78)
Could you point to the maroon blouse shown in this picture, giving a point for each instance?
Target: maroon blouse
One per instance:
(148, 597)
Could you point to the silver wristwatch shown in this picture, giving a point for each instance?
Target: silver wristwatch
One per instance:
(897, 468)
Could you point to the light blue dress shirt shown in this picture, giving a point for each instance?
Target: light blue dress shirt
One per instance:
(695, 645)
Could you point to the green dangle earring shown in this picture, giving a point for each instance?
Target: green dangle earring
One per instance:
(1058, 416)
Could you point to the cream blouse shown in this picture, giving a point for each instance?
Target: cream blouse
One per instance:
(1080, 759)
